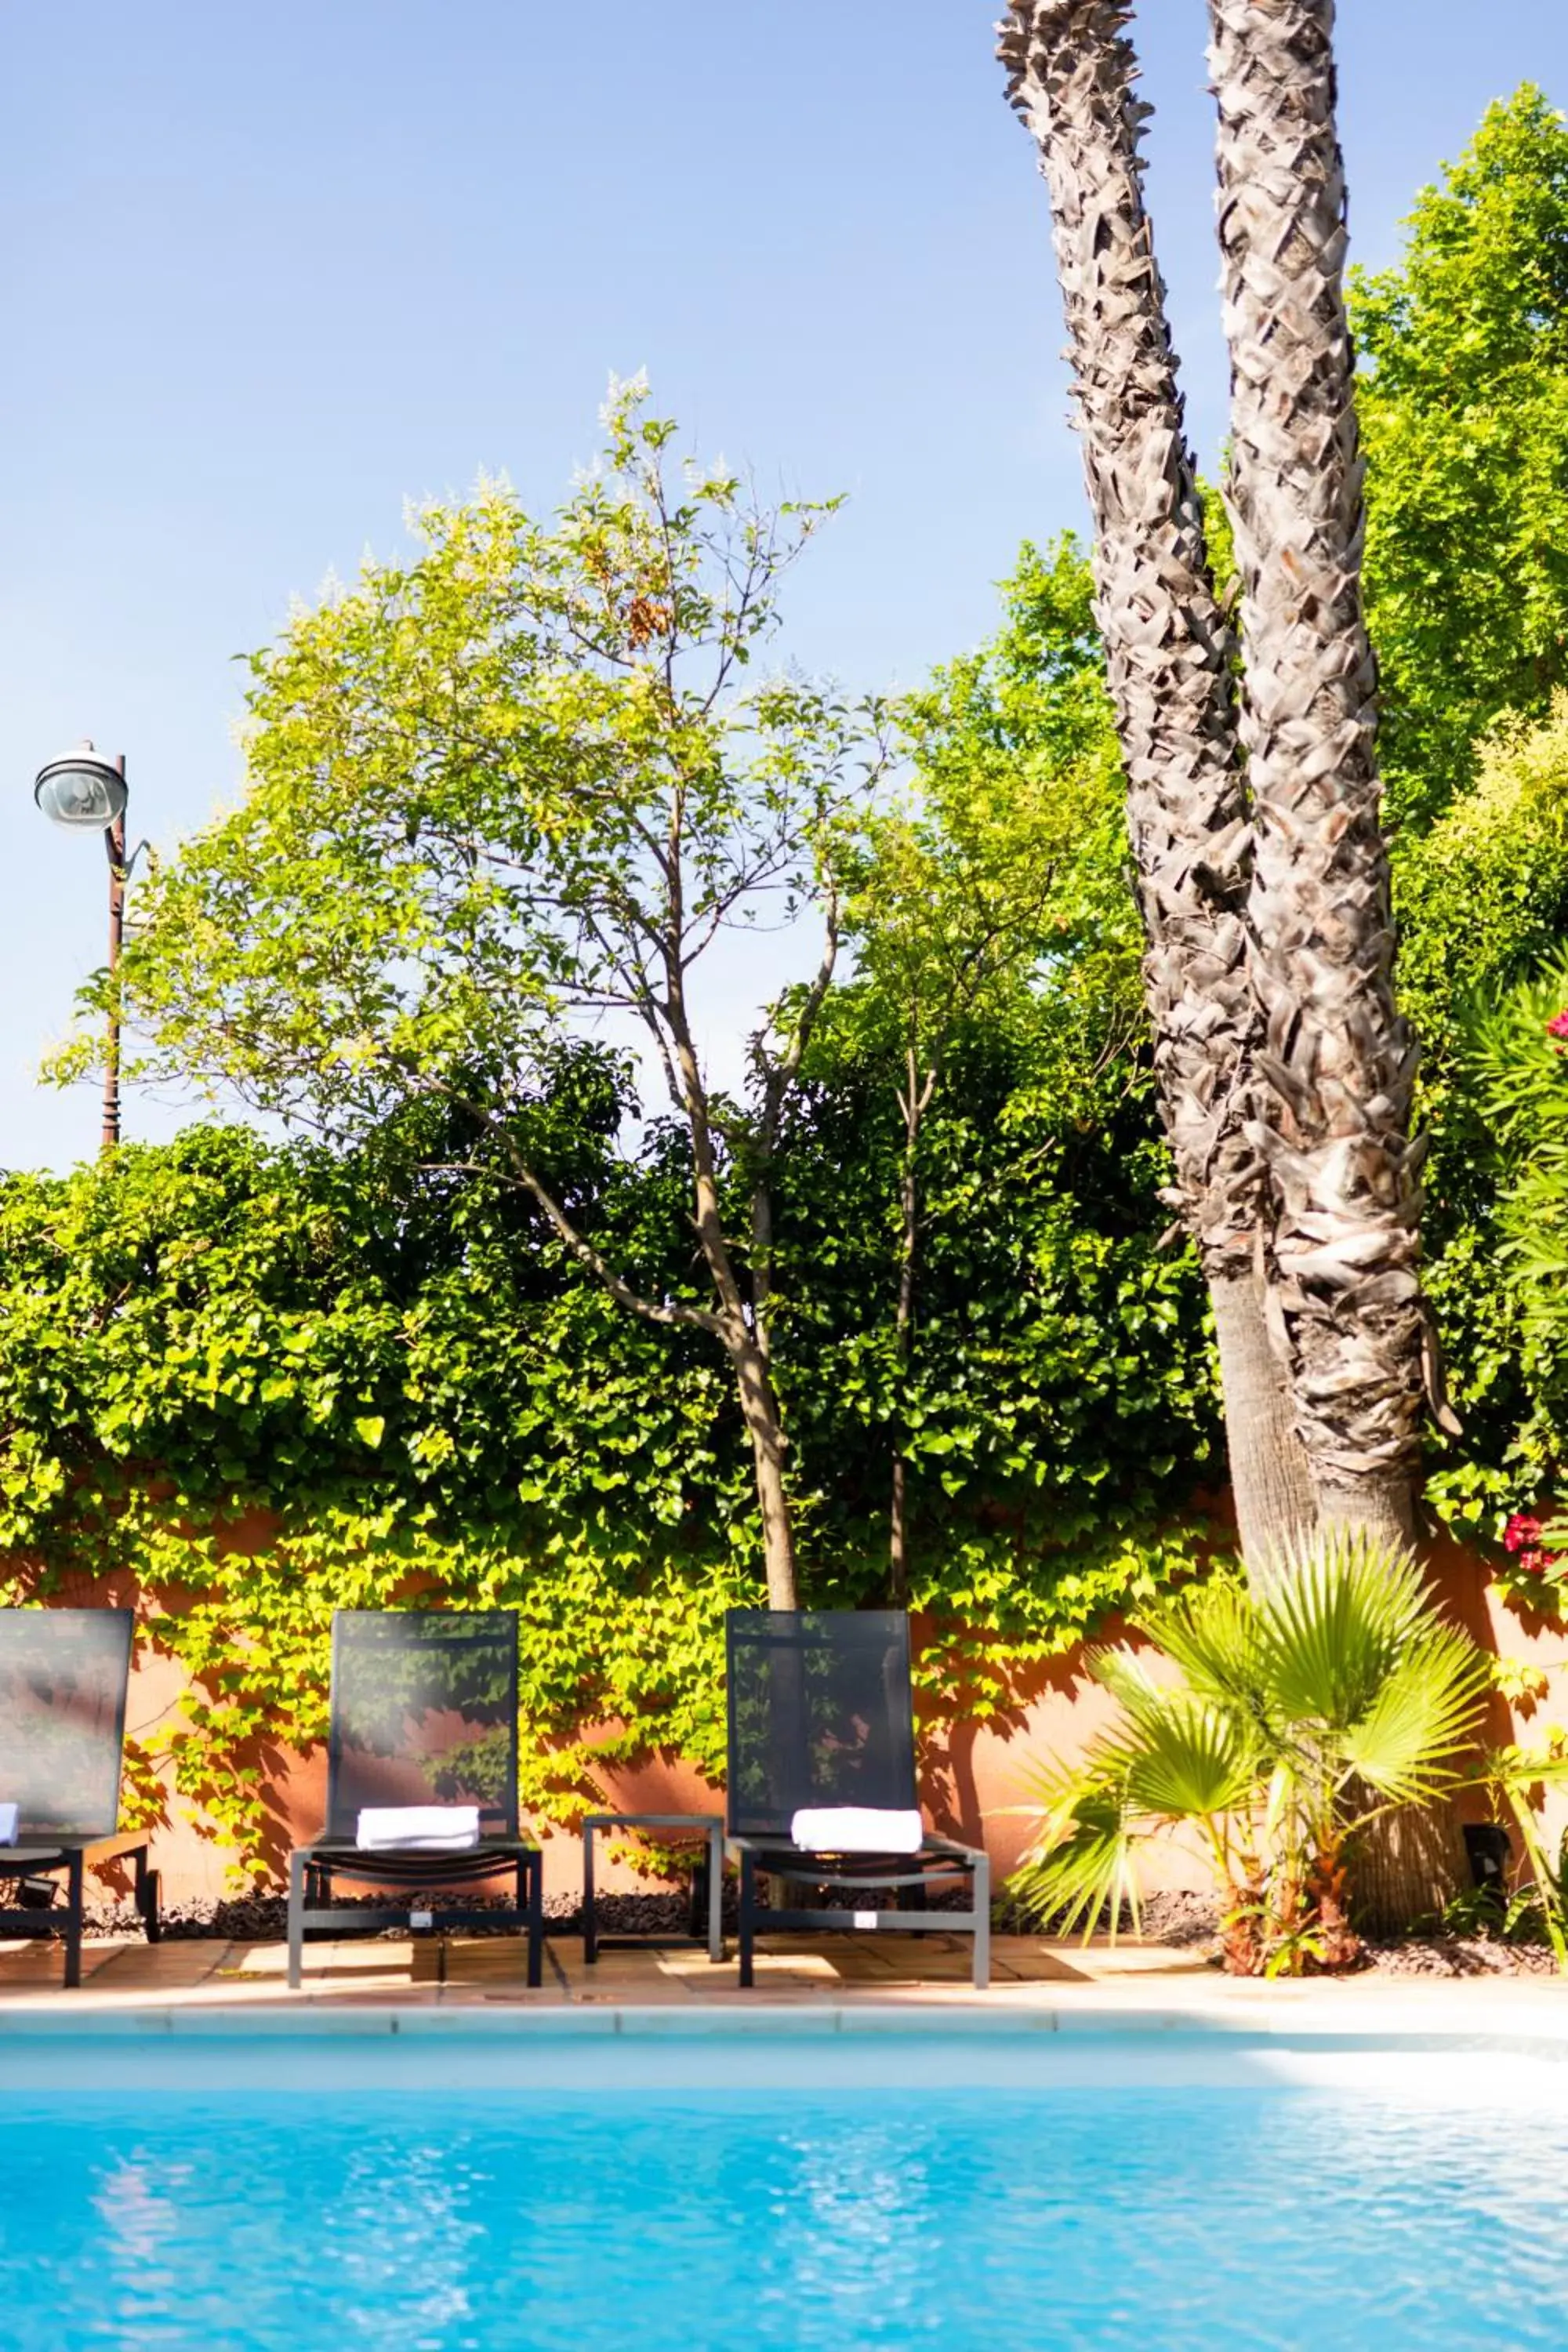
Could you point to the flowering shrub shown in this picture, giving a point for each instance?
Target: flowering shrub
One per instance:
(1522, 1537)
(1535, 1573)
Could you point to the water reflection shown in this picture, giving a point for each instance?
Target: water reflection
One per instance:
(406, 2245)
(859, 2225)
(141, 2205)
(232, 2250)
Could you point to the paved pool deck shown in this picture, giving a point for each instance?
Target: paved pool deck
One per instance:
(1033, 1981)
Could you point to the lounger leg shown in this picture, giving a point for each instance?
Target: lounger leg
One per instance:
(716, 1895)
(535, 1921)
(295, 1921)
(748, 1915)
(73, 1922)
(590, 1924)
(981, 1900)
(148, 1894)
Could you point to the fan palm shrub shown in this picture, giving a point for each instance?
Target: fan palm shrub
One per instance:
(1283, 1725)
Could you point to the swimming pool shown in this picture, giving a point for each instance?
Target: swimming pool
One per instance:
(463, 2183)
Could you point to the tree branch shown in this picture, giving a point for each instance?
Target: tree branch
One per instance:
(667, 1311)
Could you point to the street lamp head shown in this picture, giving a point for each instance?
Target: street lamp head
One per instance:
(81, 791)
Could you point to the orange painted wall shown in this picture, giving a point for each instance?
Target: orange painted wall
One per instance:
(973, 1773)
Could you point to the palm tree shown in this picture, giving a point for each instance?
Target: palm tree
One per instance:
(1169, 649)
(1290, 1725)
(1334, 1121)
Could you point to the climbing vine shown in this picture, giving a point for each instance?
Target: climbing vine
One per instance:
(247, 1385)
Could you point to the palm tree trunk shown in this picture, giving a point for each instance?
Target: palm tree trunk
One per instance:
(1169, 650)
(1334, 1118)
(1273, 1496)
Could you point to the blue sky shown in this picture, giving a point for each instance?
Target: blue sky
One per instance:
(267, 271)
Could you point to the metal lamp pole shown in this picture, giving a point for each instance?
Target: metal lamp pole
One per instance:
(86, 793)
(118, 873)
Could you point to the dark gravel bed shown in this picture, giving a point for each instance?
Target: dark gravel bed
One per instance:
(263, 1918)
(1460, 1955)
(1185, 1923)
(1190, 1922)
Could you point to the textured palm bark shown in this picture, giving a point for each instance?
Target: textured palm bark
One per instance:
(1169, 649)
(1274, 1511)
(1344, 1294)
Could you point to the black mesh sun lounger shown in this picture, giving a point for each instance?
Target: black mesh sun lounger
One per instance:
(64, 1676)
(821, 1714)
(424, 1712)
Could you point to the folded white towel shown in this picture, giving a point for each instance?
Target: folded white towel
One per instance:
(10, 1823)
(417, 1829)
(856, 1829)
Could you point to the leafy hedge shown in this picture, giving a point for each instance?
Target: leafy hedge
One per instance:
(266, 1382)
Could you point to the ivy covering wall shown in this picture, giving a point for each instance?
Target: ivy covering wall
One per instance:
(265, 1383)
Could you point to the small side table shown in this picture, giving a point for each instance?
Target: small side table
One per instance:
(708, 1825)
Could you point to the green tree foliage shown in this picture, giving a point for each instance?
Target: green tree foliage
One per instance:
(1015, 755)
(981, 903)
(1520, 1058)
(519, 785)
(1482, 897)
(1517, 1089)
(1481, 894)
(1464, 413)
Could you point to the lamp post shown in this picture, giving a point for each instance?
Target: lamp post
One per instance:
(87, 794)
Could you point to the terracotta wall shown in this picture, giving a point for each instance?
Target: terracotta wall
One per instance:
(973, 1774)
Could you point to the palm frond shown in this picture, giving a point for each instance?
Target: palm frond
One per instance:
(1079, 1869)
(1335, 1626)
(1212, 1633)
(1192, 1761)
(1129, 1681)
(1423, 1717)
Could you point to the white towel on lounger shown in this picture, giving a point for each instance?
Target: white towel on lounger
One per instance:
(417, 1829)
(856, 1829)
(10, 1823)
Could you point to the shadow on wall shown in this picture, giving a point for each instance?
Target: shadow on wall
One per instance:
(974, 1769)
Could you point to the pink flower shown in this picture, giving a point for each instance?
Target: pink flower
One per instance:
(1559, 1027)
(1521, 1536)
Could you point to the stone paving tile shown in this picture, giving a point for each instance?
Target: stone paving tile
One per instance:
(31, 1965)
(851, 1973)
(159, 1968)
(455, 1969)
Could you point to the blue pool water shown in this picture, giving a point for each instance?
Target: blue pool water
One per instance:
(1033, 2198)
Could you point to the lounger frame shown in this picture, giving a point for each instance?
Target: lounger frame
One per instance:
(74, 1858)
(821, 1714)
(941, 1863)
(314, 1870)
(369, 1645)
(64, 1834)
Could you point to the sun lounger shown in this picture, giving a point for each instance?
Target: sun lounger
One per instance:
(821, 1721)
(423, 1715)
(64, 1676)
